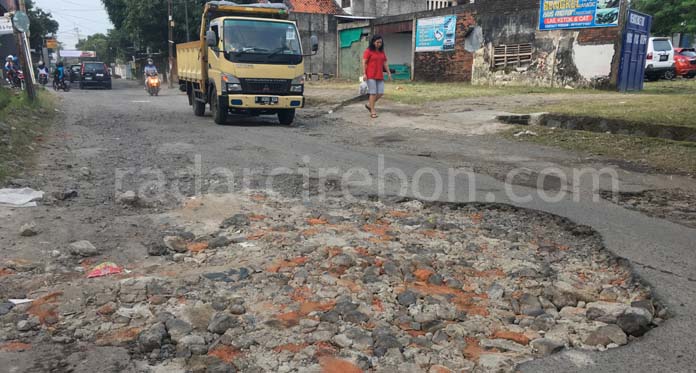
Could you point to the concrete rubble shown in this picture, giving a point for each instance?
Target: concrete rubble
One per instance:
(291, 286)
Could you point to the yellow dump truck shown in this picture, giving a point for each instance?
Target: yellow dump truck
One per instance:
(249, 60)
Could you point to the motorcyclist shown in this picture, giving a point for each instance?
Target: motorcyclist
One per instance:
(9, 68)
(150, 69)
(43, 73)
(42, 68)
(59, 73)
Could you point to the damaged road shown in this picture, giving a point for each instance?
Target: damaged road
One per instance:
(239, 248)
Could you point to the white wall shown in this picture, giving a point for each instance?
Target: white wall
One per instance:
(593, 61)
(398, 48)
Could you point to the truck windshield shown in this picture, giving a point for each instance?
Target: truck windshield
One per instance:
(261, 42)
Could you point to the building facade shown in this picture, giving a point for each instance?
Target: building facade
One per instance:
(497, 42)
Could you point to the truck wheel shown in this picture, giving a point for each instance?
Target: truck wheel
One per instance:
(198, 107)
(218, 109)
(286, 117)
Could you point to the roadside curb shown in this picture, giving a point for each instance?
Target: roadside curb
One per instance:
(604, 125)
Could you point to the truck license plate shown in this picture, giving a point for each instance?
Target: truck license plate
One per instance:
(267, 100)
(88, 78)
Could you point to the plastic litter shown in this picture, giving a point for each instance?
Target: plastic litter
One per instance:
(105, 269)
(526, 133)
(22, 197)
(20, 301)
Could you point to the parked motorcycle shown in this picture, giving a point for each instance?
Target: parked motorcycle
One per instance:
(59, 84)
(153, 84)
(16, 80)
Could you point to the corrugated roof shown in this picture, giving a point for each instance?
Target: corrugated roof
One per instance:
(316, 6)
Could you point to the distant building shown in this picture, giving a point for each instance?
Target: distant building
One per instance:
(7, 42)
(384, 8)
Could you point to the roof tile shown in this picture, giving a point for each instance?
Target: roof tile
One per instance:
(316, 6)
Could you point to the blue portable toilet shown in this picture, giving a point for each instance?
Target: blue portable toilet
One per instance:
(634, 48)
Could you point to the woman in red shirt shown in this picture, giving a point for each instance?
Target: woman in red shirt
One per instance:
(374, 65)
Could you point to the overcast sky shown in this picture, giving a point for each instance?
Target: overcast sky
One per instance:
(88, 16)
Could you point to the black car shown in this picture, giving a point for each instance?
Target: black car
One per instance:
(94, 74)
(75, 73)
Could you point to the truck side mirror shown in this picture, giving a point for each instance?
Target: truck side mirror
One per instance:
(211, 38)
(315, 43)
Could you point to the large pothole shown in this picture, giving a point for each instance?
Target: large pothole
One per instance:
(363, 285)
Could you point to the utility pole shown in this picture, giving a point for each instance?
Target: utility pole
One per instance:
(77, 32)
(24, 56)
(188, 38)
(170, 22)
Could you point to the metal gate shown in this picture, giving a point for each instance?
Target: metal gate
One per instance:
(633, 51)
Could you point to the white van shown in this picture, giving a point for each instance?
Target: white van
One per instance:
(660, 59)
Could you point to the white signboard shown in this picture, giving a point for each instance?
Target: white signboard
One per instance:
(5, 26)
(81, 54)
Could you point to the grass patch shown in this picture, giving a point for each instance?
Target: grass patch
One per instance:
(662, 155)
(418, 93)
(20, 124)
(679, 86)
(422, 92)
(662, 103)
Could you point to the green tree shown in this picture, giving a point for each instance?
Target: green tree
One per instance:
(669, 16)
(144, 23)
(109, 48)
(41, 25)
(98, 43)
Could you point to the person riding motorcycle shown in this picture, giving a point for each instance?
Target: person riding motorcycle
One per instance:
(150, 68)
(9, 68)
(59, 73)
(43, 70)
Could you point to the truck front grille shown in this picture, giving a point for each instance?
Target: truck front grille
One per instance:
(266, 86)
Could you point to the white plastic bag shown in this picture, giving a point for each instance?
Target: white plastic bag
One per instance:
(363, 88)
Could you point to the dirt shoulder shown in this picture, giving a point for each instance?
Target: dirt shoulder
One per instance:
(21, 129)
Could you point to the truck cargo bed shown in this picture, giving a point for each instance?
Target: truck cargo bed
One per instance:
(188, 61)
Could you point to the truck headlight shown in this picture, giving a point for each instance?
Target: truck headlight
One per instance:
(231, 83)
(297, 85)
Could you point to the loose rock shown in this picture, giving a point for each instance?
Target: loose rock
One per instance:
(152, 338)
(83, 249)
(128, 198)
(178, 329)
(176, 244)
(606, 335)
(407, 298)
(28, 230)
(221, 322)
(530, 305)
(544, 346)
(634, 321)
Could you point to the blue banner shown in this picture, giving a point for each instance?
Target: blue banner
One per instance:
(574, 14)
(436, 34)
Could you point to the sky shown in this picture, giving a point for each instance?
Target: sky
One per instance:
(88, 16)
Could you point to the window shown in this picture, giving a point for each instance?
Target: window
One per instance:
(513, 55)
(216, 30)
(345, 3)
(439, 4)
(261, 41)
(662, 45)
